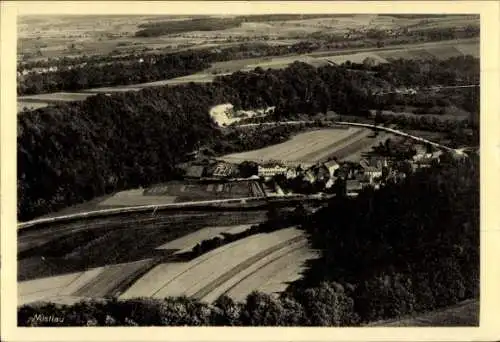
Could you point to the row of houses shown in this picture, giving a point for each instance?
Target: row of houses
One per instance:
(313, 172)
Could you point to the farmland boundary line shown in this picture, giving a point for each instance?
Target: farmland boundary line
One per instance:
(241, 266)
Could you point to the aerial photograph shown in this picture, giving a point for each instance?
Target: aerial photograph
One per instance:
(248, 170)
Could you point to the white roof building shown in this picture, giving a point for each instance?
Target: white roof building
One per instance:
(270, 171)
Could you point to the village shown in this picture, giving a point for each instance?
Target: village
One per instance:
(285, 178)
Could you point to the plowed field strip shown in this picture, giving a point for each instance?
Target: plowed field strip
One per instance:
(254, 268)
(327, 150)
(297, 148)
(213, 268)
(235, 270)
(153, 281)
(110, 279)
(198, 261)
(273, 277)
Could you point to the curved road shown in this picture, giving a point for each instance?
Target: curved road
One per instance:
(356, 124)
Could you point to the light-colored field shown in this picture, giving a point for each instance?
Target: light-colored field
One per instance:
(423, 51)
(107, 281)
(54, 97)
(186, 243)
(406, 54)
(57, 36)
(21, 105)
(94, 283)
(308, 147)
(354, 58)
(195, 78)
(284, 62)
(274, 271)
(202, 276)
(135, 197)
(62, 286)
(356, 152)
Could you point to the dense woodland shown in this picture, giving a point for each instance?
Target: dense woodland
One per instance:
(408, 248)
(73, 152)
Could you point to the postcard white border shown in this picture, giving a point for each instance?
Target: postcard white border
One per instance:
(490, 150)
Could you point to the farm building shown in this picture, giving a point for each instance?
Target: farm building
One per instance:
(331, 165)
(291, 172)
(223, 170)
(373, 167)
(372, 172)
(310, 176)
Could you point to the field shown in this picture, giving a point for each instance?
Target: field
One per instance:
(94, 283)
(267, 262)
(21, 105)
(226, 268)
(309, 147)
(360, 149)
(354, 58)
(439, 50)
(186, 243)
(134, 197)
(195, 78)
(451, 113)
(171, 192)
(46, 37)
(75, 247)
(186, 191)
(270, 274)
(55, 97)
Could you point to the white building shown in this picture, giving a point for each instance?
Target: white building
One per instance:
(291, 173)
(332, 165)
(270, 171)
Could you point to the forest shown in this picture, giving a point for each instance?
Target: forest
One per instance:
(408, 248)
(74, 152)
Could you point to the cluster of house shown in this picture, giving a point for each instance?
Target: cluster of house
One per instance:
(370, 172)
(423, 158)
(308, 172)
(356, 176)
